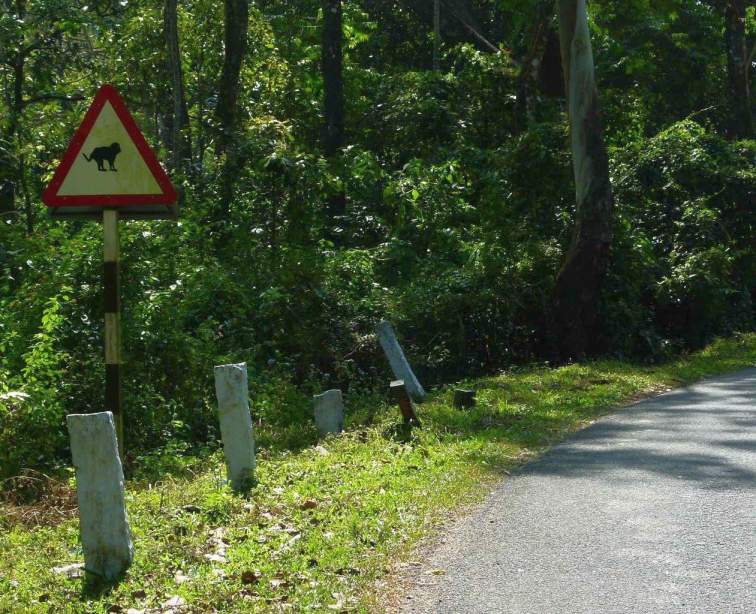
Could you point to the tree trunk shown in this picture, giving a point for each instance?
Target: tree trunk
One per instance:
(333, 83)
(9, 167)
(333, 92)
(180, 138)
(738, 70)
(235, 44)
(578, 284)
(28, 207)
(530, 66)
(436, 35)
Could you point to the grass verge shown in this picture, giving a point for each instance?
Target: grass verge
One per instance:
(325, 524)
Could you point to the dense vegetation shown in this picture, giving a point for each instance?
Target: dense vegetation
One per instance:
(442, 199)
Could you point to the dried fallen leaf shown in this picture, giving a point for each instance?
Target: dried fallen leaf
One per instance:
(339, 605)
(174, 602)
(76, 570)
(180, 578)
(251, 577)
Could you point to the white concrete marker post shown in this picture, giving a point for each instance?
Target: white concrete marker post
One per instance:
(236, 423)
(105, 533)
(399, 364)
(329, 412)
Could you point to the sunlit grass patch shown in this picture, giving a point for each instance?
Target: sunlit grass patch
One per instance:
(327, 521)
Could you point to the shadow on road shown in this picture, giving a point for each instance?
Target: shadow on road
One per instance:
(688, 434)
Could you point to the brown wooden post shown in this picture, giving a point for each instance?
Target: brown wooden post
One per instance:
(398, 393)
(113, 396)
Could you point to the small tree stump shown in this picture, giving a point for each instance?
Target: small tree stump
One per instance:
(398, 393)
(464, 399)
(329, 411)
(232, 391)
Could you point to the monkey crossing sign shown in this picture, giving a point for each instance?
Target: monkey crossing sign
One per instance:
(110, 172)
(109, 165)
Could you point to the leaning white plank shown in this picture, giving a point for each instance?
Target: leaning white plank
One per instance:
(399, 364)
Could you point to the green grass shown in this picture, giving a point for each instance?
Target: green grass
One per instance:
(325, 524)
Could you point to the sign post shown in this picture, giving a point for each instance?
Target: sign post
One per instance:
(111, 287)
(110, 173)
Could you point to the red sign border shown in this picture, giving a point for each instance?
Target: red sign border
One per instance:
(108, 93)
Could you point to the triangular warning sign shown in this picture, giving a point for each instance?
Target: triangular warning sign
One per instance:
(108, 164)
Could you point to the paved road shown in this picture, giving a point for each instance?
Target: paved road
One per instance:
(650, 510)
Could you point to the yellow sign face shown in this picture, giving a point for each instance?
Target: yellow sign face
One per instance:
(109, 162)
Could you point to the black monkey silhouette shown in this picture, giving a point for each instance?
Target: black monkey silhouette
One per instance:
(100, 154)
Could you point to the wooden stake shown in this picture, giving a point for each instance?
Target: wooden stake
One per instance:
(113, 396)
(398, 392)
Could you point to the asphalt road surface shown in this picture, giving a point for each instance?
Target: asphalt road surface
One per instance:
(649, 510)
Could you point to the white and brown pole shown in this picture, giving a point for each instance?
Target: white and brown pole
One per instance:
(113, 396)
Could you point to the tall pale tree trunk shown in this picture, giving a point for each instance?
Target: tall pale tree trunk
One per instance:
(579, 281)
(333, 91)
(180, 138)
(236, 21)
(738, 69)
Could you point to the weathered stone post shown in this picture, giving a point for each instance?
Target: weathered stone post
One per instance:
(329, 411)
(236, 423)
(104, 524)
(399, 364)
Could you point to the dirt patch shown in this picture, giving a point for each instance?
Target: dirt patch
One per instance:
(34, 499)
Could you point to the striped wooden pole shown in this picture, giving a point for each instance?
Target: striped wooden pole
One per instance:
(113, 397)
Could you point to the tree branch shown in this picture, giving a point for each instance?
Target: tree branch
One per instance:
(461, 11)
(46, 97)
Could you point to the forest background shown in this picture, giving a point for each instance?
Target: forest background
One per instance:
(341, 163)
